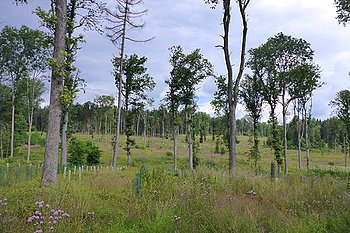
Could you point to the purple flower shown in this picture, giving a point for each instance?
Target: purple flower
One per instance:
(37, 212)
(30, 219)
(47, 206)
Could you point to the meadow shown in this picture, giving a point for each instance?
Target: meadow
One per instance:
(150, 196)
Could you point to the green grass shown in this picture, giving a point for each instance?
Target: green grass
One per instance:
(206, 200)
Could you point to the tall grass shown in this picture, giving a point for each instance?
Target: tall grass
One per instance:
(206, 200)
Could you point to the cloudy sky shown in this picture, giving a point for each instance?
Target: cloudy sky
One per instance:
(192, 24)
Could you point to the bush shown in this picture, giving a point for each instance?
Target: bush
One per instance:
(169, 153)
(93, 153)
(37, 139)
(81, 152)
(76, 152)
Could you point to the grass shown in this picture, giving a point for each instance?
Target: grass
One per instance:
(207, 200)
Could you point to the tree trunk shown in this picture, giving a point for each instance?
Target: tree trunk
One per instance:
(53, 129)
(284, 113)
(232, 115)
(299, 138)
(30, 122)
(189, 138)
(346, 151)
(118, 121)
(234, 87)
(13, 122)
(307, 141)
(64, 140)
(175, 130)
(145, 129)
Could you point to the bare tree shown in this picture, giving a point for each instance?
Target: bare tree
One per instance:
(120, 21)
(233, 85)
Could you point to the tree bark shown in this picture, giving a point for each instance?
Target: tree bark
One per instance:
(64, 139)
(175, 145)
(49, 176)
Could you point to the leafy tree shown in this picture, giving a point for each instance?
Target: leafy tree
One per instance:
(221, 108)
(343, 11)
(263, 68)
(331, 130)
(284, 61)
(188, 71)
(341, 104)
(137, 84)
(233, 85)
(304, 79)
(253, 98)
(24, 52)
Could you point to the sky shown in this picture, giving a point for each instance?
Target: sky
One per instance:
(193, 24)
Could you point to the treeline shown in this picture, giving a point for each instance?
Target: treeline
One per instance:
(97, 117)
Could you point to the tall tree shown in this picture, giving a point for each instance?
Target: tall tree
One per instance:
(39, 51)
(233, 85)
(341, 104)
(122, 20)
(263, 68)
(304, 79)
(53, 129)
(283, 54)
(188, 71)
(135, 87)
(253, 97)
(24, 52)
(13, 65)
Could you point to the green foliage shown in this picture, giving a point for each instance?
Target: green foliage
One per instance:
(343, 11)
(169, 154)
(83, 152)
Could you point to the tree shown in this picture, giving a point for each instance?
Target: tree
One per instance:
(304, 79)
(137, 83)
(341, 103)
(39, 51)
(263, 68)
(122, 20)
(284, 56)
(24, 52)
(188, 71)
(233, 85)
(253, 98)
(343, 11)
(53, 129)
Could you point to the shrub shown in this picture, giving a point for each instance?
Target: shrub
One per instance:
(76, 152)
(169, 153)
(80, 152)
(37, 139)
(93, 153)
